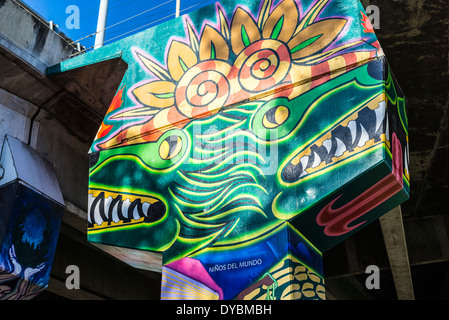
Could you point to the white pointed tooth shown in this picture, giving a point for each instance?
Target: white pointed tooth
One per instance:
(352, 125)
(407, 157)
(380, 114)
(408, 152)
(125, 208)
(136, 215)
(107, 204)
(91, 199)
(364, 137)
(304, 161)
(145, 207)
(328, 145)
(387, 131)
(316, 160)
(114, 214)
(341, 148)
(97, 217)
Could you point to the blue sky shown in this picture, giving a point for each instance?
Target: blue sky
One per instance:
(150, 13)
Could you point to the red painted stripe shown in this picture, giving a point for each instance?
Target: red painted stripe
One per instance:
(320, 74)
(350, 59)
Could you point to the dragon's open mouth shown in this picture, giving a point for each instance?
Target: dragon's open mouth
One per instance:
(107, 209)
(357, 132)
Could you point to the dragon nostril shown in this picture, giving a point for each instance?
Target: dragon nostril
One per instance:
(292, 173)
(155, 212)
(375, 71)
(93, 158)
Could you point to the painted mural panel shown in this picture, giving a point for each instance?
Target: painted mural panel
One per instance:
(259, 135)
(31, 208)
(28, 241)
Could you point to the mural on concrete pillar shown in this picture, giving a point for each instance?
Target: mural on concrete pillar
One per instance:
(29, 233)
(245, 139)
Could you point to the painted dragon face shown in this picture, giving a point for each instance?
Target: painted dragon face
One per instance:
(262, 115)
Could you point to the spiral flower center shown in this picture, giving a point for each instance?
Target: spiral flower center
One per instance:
(203, 89)
(263, 65)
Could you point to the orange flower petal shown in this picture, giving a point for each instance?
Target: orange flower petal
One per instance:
(213, 45)
(180, 58)
(282, 22)
(315, 37)
(244, 31)
(157, 94)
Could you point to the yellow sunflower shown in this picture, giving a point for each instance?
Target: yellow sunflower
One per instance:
(280, 54)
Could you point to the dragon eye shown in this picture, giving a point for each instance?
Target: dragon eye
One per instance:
(275, 117)
(170, 147)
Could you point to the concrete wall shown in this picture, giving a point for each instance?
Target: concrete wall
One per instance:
(15, 116)
(29, 36)
(67, 154)
(28, 39)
